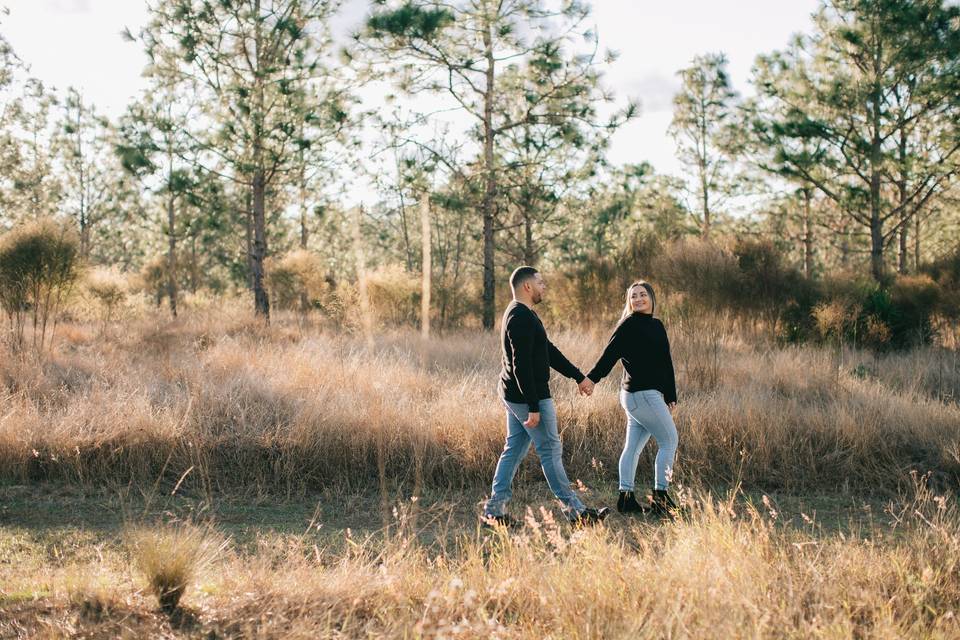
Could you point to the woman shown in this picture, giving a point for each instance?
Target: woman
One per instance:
(648, 395)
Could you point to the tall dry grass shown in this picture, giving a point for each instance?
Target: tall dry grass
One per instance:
(236, 405)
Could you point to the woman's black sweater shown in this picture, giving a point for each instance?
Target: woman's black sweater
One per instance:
(640, 341)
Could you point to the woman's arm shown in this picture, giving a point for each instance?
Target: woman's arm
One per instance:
(669, 379)
(612, 353)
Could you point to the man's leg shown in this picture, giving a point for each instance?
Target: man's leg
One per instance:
(514, 451)
(546, 441)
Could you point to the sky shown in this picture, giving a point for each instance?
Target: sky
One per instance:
(78, 43)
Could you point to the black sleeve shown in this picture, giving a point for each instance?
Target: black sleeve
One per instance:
(560, 364)
(612, 353)
(670, 380)
(520, 334)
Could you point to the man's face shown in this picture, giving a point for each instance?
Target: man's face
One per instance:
(537, 288)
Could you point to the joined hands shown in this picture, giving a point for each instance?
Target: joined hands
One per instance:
(586, 387)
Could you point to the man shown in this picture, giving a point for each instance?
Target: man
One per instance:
(531, 414)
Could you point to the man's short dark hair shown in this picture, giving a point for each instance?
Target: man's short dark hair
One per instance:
(521, 275)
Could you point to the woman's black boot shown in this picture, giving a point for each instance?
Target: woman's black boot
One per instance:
(663, 504)
(627, 503)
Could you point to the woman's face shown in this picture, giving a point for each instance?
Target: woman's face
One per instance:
(640, 301)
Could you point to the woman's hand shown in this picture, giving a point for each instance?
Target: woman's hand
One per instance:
(672, 406)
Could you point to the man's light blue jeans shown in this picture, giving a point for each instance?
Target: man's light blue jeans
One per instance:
(546, 442)
(647, 414)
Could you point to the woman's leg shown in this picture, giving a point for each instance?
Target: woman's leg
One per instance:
(651, 411)
(634, 442)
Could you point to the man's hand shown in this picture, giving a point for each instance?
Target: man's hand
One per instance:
(532, 420)
(585, 387)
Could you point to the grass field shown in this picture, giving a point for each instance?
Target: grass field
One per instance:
(315, 485)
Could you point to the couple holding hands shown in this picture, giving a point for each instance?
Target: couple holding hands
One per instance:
(648, 395)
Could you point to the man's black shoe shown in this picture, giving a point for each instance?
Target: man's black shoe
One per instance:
(590, 516)
(492, 522)
(663, 505)
(627, 503)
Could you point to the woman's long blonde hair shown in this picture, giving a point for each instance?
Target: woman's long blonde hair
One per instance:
(628, 308)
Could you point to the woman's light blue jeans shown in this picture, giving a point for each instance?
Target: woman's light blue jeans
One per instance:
(647, 414)
(546, 442)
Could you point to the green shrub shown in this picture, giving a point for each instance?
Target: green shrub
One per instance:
(913, 302)
(593, 289)
(946, 273)
(704, 271)
(39, 263)
(767, 285)
(894, 315)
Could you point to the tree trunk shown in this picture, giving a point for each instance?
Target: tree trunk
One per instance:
(304, 233)
(904, 214)
(876, 249)
(705, 194)
(807, 235)
(902, 266)
(529, 254)
(193, 263)
(844, 243)
(916, 243)
(249, 217)
(172, 255)
(704, 182)
(876, 223)
(260, 298)
(172, 231)
(261, 302)
(427, 266)
(490, 187)
(82, 185)
(84, 234)
(407, 249)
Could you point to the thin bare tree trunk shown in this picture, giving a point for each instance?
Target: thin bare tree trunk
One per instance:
(916, 243)
(490, 187)
(172, 231)
(807, 235)
(260, 298)
(304, 233)
(366, 313)
(427, 265)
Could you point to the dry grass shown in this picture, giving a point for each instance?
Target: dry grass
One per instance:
(728, 570)
(217, 405)
(286, 409)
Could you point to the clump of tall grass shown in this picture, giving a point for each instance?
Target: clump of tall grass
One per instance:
(170, 557)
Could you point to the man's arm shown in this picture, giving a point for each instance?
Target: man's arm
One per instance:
(560, 364)
(520, 334)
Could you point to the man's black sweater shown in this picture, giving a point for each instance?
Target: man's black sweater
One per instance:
(527, 358)
(640, 340)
